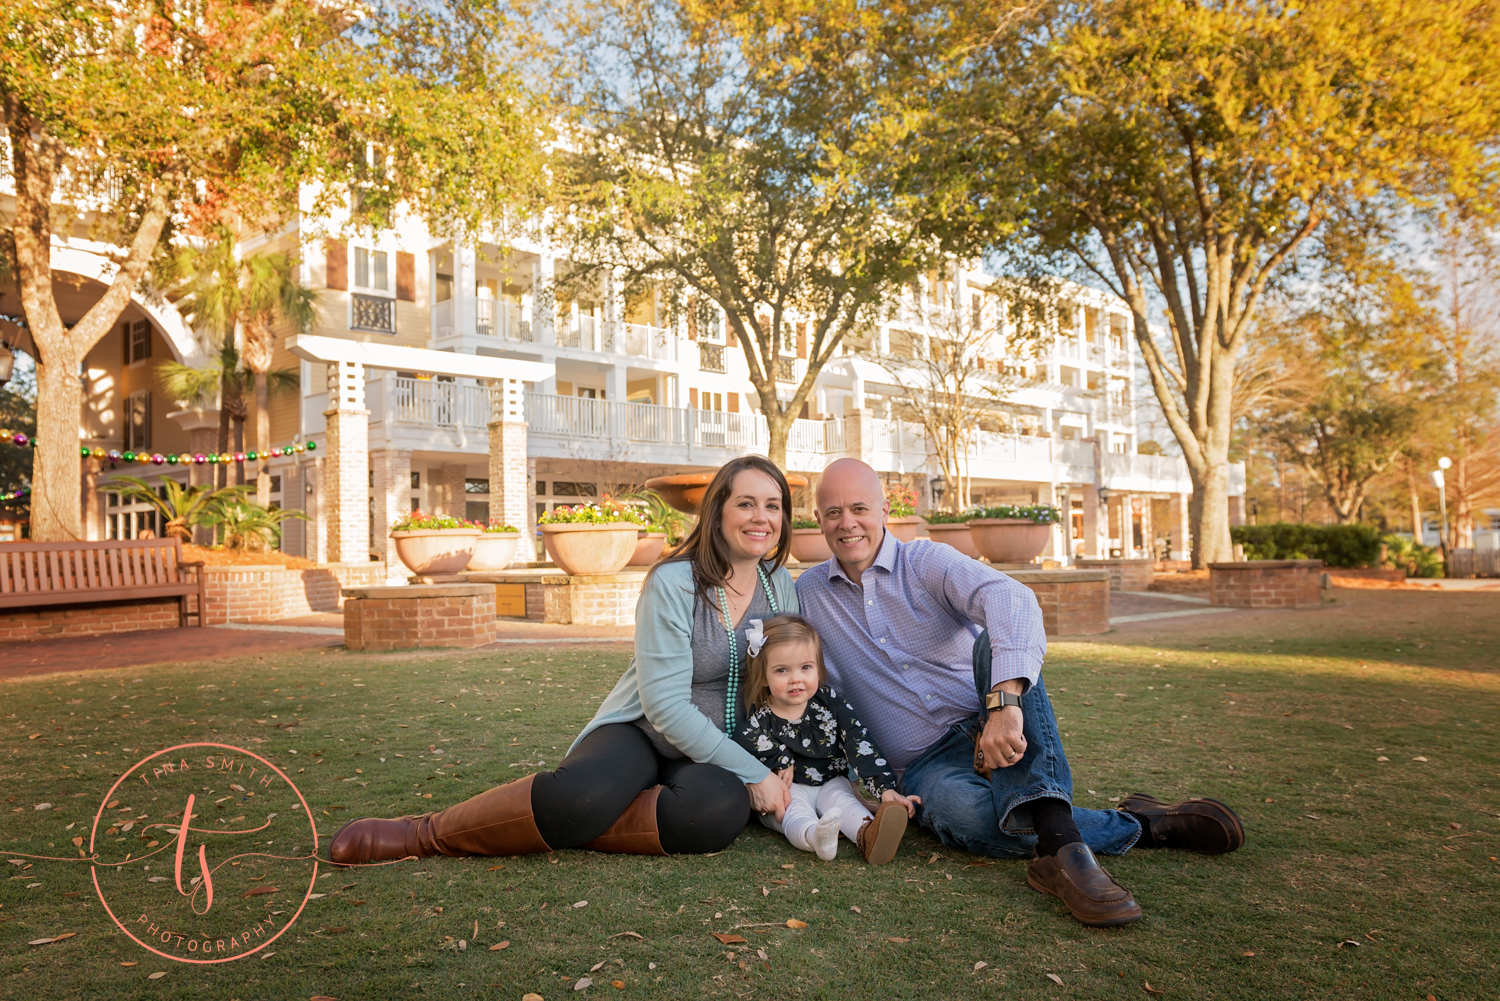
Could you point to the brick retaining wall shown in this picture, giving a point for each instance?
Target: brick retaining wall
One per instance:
(270, 592)
(1124, 575)
(1266, 584)
(1073, 602)
(91, 619)
(584, 600)
(419, 615)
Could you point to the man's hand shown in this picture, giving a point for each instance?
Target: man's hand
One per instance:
(910, 802)
(1002, 741)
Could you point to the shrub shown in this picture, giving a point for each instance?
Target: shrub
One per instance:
(903, 501)
(947, 517)
(419, 522)
(800, 522)
(1040, 514)
(500, 526)
(1335, 545)
(243, 524)
(1413, 557)
(592, 514)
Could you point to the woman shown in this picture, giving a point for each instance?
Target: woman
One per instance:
(656, 771)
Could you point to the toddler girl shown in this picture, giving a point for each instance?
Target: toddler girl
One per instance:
(803, 731)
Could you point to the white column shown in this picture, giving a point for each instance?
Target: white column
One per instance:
(392, 469)
(614, 383)
(1177, 527)
(464, 290)
(543, 303)
(346, 477)
(512, 477)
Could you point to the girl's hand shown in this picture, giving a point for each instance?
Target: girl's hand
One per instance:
(786, 775)
(769, 795)
(910, 802)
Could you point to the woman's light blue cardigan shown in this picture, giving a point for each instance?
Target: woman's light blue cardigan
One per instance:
(657, 683)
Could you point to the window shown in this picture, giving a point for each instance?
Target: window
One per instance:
(566, 488)
(476, 486)
(276, 483)
(371, 269)
(477, 511)
(541, 487)
(137, 341)
(138, 422)
(443, 288)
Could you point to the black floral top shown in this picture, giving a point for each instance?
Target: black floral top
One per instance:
(825, 743)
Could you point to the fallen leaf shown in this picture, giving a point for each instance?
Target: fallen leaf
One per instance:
(500, 945)
(1247, 954)
(1455, 825)
(1419, 758)
(975, 865)
(777, 882)
(321, 997)
(600, 965)
(794, 923)
(618, 985)
(855, 909)
(531, 997)
(260, 889)
(1150, 989)
(157, 975)
(583, 984)
(77, 842)
(899, 941)
(726, 939)
(163, 879)
(580, 903)
(935, 857)
(133, 962)
(629, 934)
(980, 965)
(1055, 979)
(1349, 941)
(494, 867)
(335, 930)
(790, 865)
(765, 891)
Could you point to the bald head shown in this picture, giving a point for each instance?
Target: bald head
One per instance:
(846, 479)
(851, 514)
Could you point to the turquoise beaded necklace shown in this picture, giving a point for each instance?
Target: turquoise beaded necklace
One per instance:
(734, 646)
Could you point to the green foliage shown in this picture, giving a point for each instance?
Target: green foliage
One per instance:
(903, 501)
(1413, 557)
(800, 522)
(592, 514)
(661, 516)
(1336, 545)
(500, 526)
(1041, 514)
(17, 413)
(948, 517)
(243, 524)
(419, 522)
(182, 508)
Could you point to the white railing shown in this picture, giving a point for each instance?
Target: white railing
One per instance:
(442, 319)
(579, 417)
(642, 341)
(584, 334)
(439, 404)
(822, 437)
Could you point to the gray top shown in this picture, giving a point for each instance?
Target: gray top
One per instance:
(711, 665)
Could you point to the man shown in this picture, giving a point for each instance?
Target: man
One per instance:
(905, 628)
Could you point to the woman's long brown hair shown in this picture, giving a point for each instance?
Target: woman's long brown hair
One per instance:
(705, 547)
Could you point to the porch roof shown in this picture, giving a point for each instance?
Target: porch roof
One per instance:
(403, 358)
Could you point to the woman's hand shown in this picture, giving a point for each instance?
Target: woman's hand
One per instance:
(769, 795)
(910, 802)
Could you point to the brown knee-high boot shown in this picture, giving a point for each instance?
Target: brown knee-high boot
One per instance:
(635, 831)
(495, 822)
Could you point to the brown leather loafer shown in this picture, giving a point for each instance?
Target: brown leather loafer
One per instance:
(1075, 877)
(1195, 825)
(374, 840)
(881, 835)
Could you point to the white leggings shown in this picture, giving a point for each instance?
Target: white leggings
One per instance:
(811, 802)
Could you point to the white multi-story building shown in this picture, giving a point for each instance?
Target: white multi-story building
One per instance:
(425, 351)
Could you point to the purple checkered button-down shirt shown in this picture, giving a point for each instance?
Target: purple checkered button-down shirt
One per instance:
(900, 647)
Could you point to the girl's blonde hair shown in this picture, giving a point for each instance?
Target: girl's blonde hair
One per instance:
(780, 631)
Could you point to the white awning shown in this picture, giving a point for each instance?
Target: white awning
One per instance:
(399, 357)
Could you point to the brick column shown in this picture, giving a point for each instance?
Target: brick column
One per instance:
(511, 487)
(346, 466)
(392, 469)
(1095, 522)
(1177, 527)
(449, 496)
(317, 518)
(859, 434)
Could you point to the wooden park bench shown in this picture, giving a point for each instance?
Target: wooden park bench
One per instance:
(36, 574)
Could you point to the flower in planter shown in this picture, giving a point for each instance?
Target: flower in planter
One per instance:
(497, 526)
(419, 522)
(591, 514)
(948, 517)
(804, 522)
(903, 501)
(1037, 514)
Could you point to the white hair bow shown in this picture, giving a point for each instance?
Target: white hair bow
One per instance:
(755, 637)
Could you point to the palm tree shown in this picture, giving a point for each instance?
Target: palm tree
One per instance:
(181, 508)
(222, 378)
(227, 293)
(245, 525)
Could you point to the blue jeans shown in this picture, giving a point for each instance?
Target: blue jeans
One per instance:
(990, 816)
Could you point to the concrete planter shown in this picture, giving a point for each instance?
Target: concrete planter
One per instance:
(590, 549)
(494, 550)
(1009, 540)
(905, 527)
(809, 546)
(648, 547)
(430, 551)
(957, 536)
(1266, 584)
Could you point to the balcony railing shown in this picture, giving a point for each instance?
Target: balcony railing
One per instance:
(583, 334)
(785, 369)
(579, 417)
(710, 357)
(439, 404)
(642, 341)
(369, 312)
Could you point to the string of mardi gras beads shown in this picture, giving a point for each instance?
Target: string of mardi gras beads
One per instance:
(115, 456)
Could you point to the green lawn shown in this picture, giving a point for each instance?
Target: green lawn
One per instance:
(1396, 856)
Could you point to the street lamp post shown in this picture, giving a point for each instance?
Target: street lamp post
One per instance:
(1439, 480)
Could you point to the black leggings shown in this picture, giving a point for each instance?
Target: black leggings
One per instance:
(702, 808)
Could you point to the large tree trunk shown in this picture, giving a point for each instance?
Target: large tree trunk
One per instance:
(239, 449)
(779, 429)
(221, 469)
(262, 440)
(57, 477)
(1211, 543)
